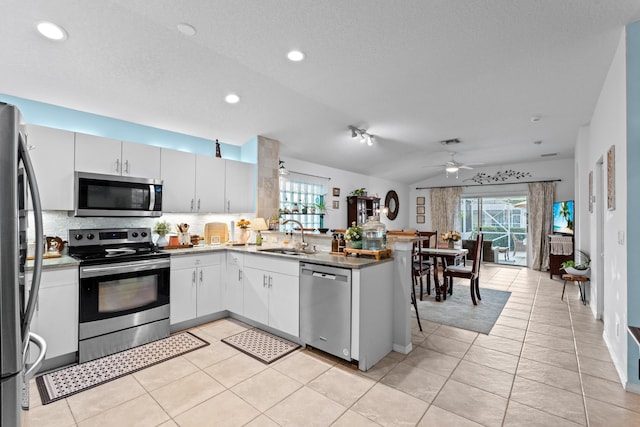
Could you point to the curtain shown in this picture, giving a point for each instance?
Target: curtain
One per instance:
(540, 211)
(445, 209)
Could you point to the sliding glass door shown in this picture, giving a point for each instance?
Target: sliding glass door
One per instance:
(503, 221)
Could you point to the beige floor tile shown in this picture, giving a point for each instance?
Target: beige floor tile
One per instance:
(438, 417)
(456, 333)
(515, 334)
(210, 355)
(598, 368)
(341, 385)
(546, 398)
(483, 377)
(551, 375)
(589, 338)
(169, 423)
(34, 394)
(140, 412)
(470, 402)
(106, 396)
(518, 314)
(606, 415)
(432, 361)
(504, 345)
(187, 392)
(353, 419)
(224, 409)
(417, 382)
(156, 376)
(548, 341)
(446, 345)
(563, 322)
(235, 369)
(55, 414)
(492, 358)
(550, 356)
(302, 366)
(306, 407)
(383, 367)
(514, 305)
(390, 407)
(512, 322)
(262, 421)
(610, 392)
(266, 388)
(223, 328)
(556, 331)
(519, 415)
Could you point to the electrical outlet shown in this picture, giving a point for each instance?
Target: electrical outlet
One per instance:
(620, 237)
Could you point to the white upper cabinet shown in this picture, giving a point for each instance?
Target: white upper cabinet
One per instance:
(210, 179)
(51, 152)
(178, 180)
(240, 187)
(98, 154)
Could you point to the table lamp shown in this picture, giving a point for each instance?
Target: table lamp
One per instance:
(257, 225)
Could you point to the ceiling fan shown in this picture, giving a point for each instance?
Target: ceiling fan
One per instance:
(452, 166)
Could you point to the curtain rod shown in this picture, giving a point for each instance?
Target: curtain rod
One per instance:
(484, 185)
(308, 174)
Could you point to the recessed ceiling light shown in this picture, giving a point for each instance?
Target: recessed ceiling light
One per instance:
(232, 98)
(538, 142)
(51, 31)
(186, 29)
(295, 56)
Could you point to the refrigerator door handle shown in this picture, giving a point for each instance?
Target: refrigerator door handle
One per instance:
(32, 368)
(37, 217)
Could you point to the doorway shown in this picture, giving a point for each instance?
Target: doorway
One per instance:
(503, 222)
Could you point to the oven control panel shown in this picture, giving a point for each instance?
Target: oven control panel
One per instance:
(108, 236)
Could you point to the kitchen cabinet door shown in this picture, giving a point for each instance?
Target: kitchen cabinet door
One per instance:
(240, 187)
(183, 295)
(233, 294)
(52, 154)
(140, 160)
(98, 154)
(178, 176)
(284, 303)
(210, 178)
(209, 290)
(256, 295)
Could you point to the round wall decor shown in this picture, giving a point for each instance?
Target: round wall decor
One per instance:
(392, 204)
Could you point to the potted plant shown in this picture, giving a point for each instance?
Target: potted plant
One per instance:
(359, 192)
(162, 228)
(320, 206)
(579, 266)
(353, 236)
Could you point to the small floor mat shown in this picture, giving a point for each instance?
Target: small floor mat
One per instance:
(261, 345)
(74, 379)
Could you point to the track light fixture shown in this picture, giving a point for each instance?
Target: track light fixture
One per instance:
(362, 134)
(282, 170)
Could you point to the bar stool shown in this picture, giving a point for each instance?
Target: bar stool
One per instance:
(581, 280)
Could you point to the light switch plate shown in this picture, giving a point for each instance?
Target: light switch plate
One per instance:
(620, 237)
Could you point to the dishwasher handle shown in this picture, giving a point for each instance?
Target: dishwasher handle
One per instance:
(324, 275)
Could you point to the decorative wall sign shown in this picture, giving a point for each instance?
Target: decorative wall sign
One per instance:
(420, 210)
(420, 200)
(591, 192)
(420, 219)
(611, 178)
(336, 191)
(508, 175)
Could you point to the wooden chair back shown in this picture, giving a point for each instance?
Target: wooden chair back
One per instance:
(477, 259)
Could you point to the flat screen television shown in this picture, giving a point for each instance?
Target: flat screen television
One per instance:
(563, 217)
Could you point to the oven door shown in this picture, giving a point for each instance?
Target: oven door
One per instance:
(125, 288)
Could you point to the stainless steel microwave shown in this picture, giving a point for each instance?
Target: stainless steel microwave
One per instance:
(112, 195)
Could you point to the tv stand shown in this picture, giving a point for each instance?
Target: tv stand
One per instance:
(556, 260)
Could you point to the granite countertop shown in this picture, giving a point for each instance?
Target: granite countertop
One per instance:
(64, 261)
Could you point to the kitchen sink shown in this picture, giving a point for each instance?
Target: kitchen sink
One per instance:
(284, 251)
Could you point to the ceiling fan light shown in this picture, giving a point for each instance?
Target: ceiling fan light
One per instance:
(451, 168)
(369, 140)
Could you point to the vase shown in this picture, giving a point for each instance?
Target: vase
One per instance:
(450, 244)
(354, 244)
(162, 241)
(244, 235)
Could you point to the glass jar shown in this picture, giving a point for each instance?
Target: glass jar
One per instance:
(374, 235)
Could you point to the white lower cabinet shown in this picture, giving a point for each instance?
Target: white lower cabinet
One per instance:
(271, 293)
(56, 315)
(196, 284)
(233, 293)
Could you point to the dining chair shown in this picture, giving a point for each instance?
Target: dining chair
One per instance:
(519, 245)
(422, 263)
(468, 272)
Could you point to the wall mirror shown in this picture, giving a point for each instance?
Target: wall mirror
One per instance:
(392, 204)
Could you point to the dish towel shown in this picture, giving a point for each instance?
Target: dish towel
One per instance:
(561, 245)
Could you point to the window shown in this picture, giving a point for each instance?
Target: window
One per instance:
(299, 200)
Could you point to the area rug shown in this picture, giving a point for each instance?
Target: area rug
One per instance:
(459, 311)
(74, 379)
(261, 345)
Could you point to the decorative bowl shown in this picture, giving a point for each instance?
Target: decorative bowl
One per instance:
(323, 230)
(576, 272)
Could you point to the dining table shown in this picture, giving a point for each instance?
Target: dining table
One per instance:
(448, 256)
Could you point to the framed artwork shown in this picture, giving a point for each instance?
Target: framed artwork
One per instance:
(336, 204)
(591, 192)
(420, 219)
(336, 191)
(611, 178)
(420, 200)
(420, 210)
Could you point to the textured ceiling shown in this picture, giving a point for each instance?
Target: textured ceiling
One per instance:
(412, 72)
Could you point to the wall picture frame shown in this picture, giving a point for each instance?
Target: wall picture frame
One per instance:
(420, 210)
(336, 192)
(420, 219)
(335, 204)
(611, 178)
(590, 191)
(420, 200)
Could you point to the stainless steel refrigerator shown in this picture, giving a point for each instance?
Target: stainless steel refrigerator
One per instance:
(16, 308)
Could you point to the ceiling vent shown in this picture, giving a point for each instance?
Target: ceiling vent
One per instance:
(453, 141)
(549, 155)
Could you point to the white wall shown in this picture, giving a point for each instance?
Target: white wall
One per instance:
(543, 170)
(608, 127)
(349, 181)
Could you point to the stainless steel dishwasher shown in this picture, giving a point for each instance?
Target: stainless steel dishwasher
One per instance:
(325, 308)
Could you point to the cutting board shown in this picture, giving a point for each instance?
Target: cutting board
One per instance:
(219, 229)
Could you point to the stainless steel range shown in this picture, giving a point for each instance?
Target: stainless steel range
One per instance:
(124, 290)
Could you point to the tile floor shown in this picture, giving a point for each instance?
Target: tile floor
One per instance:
(544, 363)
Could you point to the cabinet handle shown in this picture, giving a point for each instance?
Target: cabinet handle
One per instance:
(126, 167)
(192, 200)
(270, 282)
(264, 280)
(201, 277)
(118, 165)
(198, 205)
(228, 206)
(193, 277)
(239, 275)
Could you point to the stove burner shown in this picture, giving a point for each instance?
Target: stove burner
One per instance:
(113, 244)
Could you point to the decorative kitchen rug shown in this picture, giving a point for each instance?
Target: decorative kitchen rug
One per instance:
(74, 379)
(261, 345)
(458, 310)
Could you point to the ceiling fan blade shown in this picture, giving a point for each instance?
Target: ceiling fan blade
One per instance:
(464, 167)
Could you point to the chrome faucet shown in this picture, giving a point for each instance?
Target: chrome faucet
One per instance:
(304, 244)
